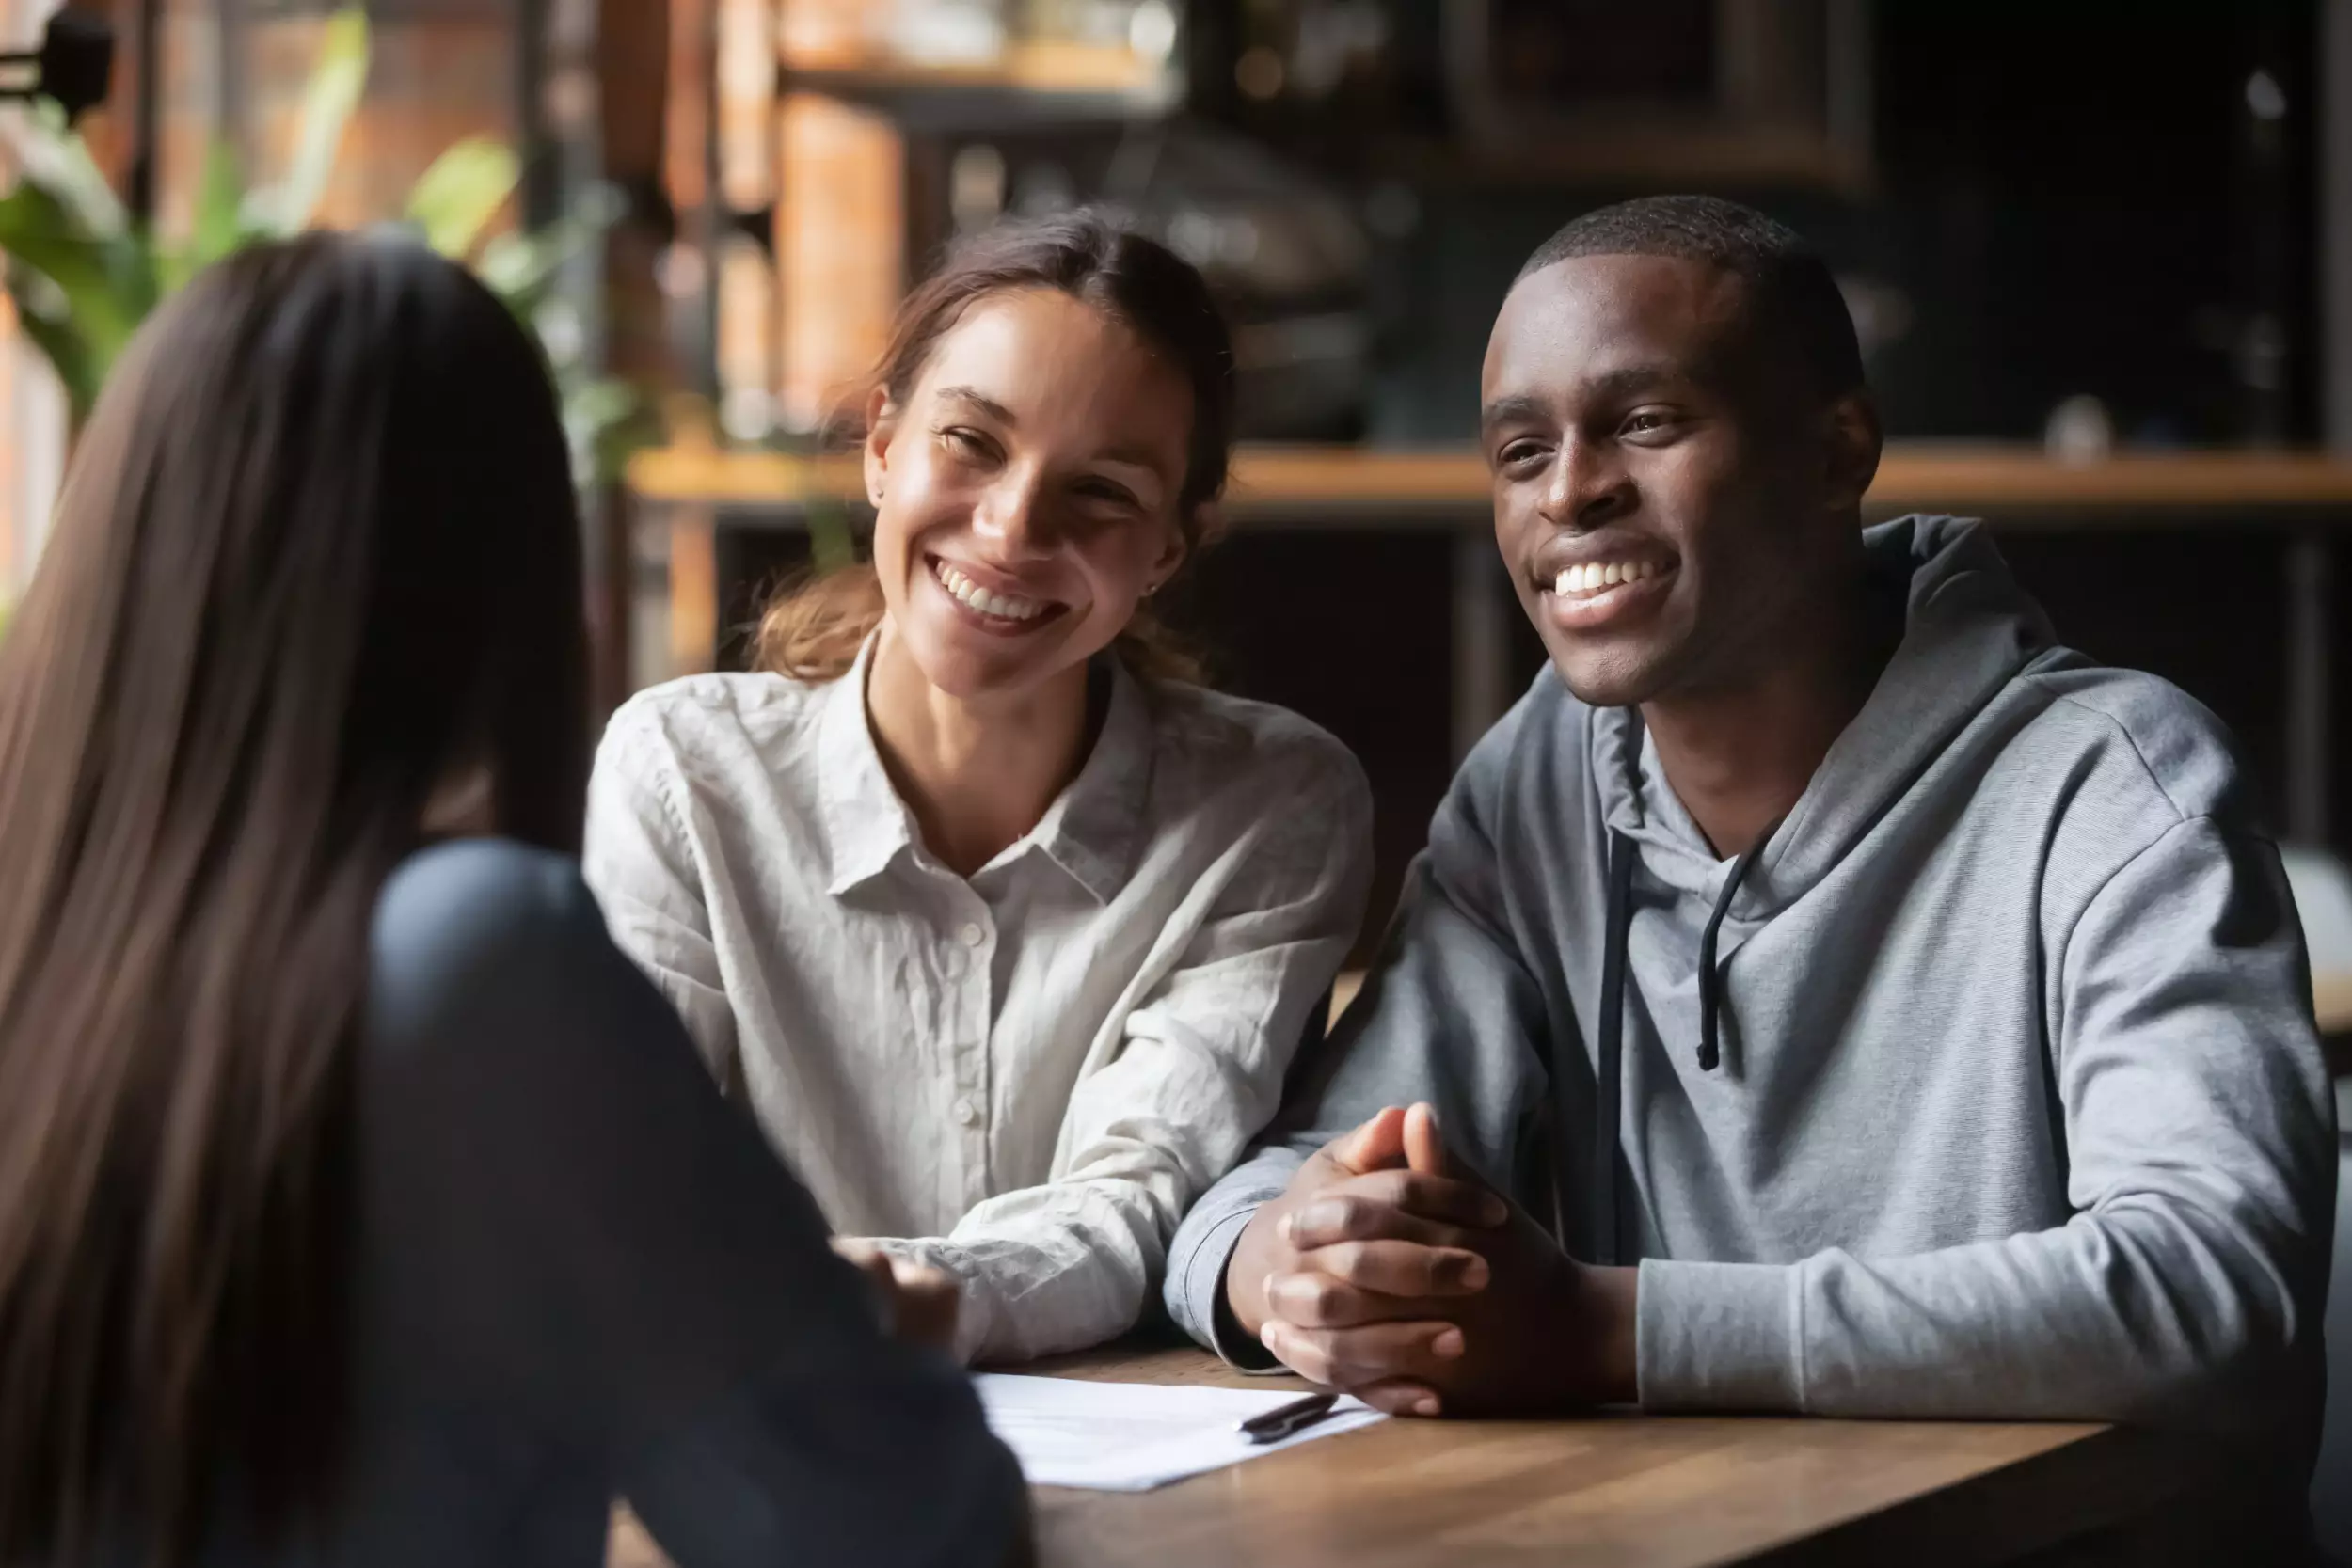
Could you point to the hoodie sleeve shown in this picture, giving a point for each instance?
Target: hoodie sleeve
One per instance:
(1450, 1015)
(2201, 1138)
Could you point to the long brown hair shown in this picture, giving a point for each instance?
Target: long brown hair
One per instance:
(317, 552)
(812, 629)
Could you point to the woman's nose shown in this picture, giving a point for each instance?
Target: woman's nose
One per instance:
(1011, 518)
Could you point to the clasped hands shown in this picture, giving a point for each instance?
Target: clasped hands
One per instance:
(1388, 1271)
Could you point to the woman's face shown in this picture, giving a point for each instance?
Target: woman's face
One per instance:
(1025, 497)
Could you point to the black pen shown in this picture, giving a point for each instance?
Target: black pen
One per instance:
(1284, 1420)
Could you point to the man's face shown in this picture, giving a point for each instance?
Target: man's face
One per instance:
(1663, 507)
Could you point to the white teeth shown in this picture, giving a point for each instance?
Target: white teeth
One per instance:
(1594, 576)
(1005, 607)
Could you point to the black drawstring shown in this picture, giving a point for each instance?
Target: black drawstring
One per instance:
(1608, 1096)
(1710, 984)
(1607, 1093)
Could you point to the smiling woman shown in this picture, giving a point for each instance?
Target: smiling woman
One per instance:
(1006, 927)
(1031, 304)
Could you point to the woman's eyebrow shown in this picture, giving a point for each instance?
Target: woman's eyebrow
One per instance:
(981, 401)
(1132, 457)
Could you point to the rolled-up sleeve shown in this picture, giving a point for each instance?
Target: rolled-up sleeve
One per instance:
(1178, 1086)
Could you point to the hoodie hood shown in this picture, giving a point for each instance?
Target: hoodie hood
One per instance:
(1968, 630)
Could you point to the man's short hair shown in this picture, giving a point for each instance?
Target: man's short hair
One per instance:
(1786, 277)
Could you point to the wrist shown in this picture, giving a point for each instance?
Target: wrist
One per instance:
(1247, 1268)
(1616, 1296)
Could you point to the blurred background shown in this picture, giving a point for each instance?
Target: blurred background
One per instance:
(2100, 256)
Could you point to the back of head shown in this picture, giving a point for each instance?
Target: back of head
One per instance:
(1789, 286)
(317, 553)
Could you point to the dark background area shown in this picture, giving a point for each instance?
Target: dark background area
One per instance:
(2065, 199)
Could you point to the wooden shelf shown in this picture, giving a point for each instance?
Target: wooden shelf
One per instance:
(1041, 66)
(1028, 82)
(1344, 486)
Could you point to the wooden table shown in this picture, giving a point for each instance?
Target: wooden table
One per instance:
(1642, 1491)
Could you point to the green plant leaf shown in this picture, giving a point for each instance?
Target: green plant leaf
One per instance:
(106, 287)
(456, 197)
(50, 155)
(220, 228)
(336, 84)
(67, 351)
(518, 268)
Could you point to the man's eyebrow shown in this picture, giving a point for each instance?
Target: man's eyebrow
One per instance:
(1628, 379)
(1506, 409)
(980, 401)
(1609, 387)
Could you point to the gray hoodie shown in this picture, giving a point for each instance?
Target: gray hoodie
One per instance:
(2014, 1108)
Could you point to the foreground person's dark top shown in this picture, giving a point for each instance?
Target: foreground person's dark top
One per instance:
(579, 1274)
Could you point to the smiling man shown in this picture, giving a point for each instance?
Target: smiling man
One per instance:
(1866, 1006)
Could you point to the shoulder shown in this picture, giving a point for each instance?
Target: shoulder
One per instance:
(1540, 745)
(2138, 739)
(481, 933)
(1237, 744)
(470, 893)
(702, 715)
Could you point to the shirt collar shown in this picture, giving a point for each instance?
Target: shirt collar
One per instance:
(1092, 830)
(866, 825)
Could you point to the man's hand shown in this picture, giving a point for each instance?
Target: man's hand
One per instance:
(918, 1303)
(1422, 1216)
(1532, 1329)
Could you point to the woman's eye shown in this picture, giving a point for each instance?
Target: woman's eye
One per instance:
(1108, 491)
(964, 442)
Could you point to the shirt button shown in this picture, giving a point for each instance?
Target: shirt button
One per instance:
(973, 936)
(968, 1112)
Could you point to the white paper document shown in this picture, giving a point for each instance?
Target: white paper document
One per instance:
(1133, 1436)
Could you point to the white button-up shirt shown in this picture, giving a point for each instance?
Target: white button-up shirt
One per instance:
(1024, 1077)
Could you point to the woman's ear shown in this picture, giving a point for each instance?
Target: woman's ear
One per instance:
(881, 424)
(1172, 553)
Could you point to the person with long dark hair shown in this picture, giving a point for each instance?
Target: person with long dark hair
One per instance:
(360, 1203)
(1005, 925)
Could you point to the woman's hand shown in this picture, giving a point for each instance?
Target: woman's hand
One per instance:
(918, 1302)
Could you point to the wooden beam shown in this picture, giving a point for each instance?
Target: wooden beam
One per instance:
(1279, 481)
